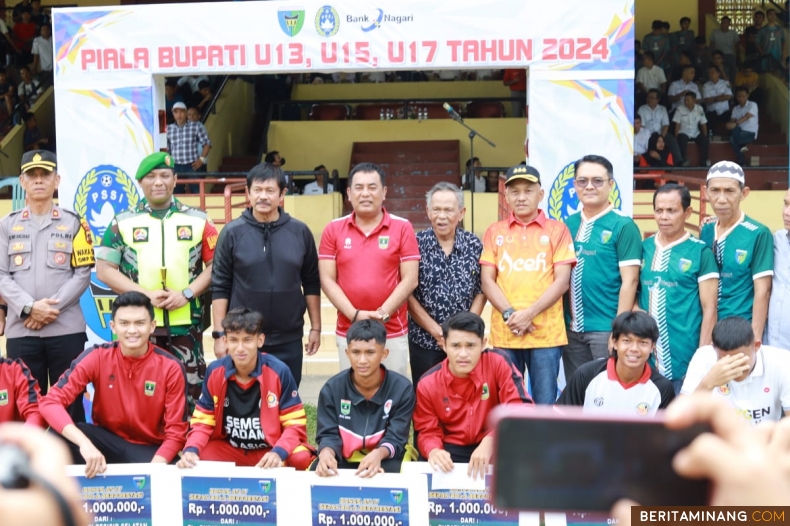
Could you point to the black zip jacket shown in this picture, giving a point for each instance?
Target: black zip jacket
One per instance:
(353, 426)
(270, 268)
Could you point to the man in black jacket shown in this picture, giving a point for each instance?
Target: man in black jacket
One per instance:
(364, 412)
(267, 261)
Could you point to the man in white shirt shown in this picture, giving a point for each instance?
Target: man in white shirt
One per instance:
(691, 124)
(42, 55)
(753, 378)
(743, 124)
(481, 183)
(716, 93)
(641, 138)
(685, 83)
(656, 119)
(726, 41)
(649, 75)
(777, 332)
(317, 186)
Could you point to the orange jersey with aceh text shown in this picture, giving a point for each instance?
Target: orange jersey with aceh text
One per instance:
(525, 256)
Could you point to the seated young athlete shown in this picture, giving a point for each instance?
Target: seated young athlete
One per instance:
(249, 411)
(140, 405)
(19, 394)
(455, 397)
(624, 383)
(364, 412)
(753, 378)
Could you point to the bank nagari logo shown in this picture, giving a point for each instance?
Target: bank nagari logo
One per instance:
(103, 192)
(327, 21)
(563, 201)
(291, 20)
(139, 482)
(265, 485)
(397, 495)
(374, 22)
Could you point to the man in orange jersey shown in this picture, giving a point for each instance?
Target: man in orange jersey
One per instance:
(525, 270)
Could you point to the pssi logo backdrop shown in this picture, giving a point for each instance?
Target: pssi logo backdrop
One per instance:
(104, 191)
(563, 200)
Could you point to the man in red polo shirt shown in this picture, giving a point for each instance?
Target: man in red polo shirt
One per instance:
(369, 262)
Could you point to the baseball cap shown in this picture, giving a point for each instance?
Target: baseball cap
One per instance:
(39, 159)
(179, 106)
(726, 170)
(522, 172)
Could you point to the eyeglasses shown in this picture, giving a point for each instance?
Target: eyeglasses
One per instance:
(597, 182)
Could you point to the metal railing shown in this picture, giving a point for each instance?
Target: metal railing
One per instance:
(212, 107)
(645, 197)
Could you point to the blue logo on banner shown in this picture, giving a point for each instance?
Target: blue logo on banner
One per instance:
(563, 201)
(291, 20)
(327, 21)
(103, 192)
(376, 23)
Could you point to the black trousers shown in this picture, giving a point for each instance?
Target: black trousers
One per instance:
(48, 358)
(702, 142)
(458, 454)
(291, 353)
(422, 359)
(115, 449)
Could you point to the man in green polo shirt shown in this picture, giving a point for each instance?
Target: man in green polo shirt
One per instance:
(679, 284)
(164, 249)
(608, 252)
(743, 248)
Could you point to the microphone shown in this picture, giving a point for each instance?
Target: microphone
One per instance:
(452, 112)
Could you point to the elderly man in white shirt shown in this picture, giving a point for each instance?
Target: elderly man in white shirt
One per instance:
(656, 119)
(777, 331)
(743, 124)
(716, 94)
(641, 138)
(685, 83)
(691, 124)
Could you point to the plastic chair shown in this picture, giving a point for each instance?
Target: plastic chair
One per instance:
(17, 193)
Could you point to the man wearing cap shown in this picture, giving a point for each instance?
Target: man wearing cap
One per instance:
(743, 248)
(132, 256)
(525, 269)
(183, 139)
(44, 269)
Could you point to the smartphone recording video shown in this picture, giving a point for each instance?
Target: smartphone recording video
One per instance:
(560, 459)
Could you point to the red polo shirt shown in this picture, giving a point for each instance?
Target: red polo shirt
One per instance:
(368, 266)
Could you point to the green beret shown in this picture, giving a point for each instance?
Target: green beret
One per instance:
(154, 161)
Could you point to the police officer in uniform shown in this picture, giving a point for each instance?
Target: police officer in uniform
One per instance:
(164, 249)
(46, 255)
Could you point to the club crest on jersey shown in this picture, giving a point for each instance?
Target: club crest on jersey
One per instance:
(271, 400)
(684, 264)
(724, 389)
(384, 242)
(740, 256)
(642, 409)
(500, 240)
(4, 397)
(485, 394)
(606, 235)
(387, 406)
(150, 387)
(345, 407)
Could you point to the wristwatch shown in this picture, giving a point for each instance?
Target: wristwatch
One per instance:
(217, 334)
(202, 160)
(27, 308)
(507, 313)
(188, 294)
(384, 316)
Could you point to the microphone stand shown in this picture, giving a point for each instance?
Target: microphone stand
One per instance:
(472, 134)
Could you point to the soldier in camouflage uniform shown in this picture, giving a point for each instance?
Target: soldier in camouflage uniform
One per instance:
(132, 256)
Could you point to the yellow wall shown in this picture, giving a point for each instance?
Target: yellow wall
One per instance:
(486, 211)
(307, 144)
(229, 127)
(13, 145)
(668, 10)
(777, 99)
(402, 90)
